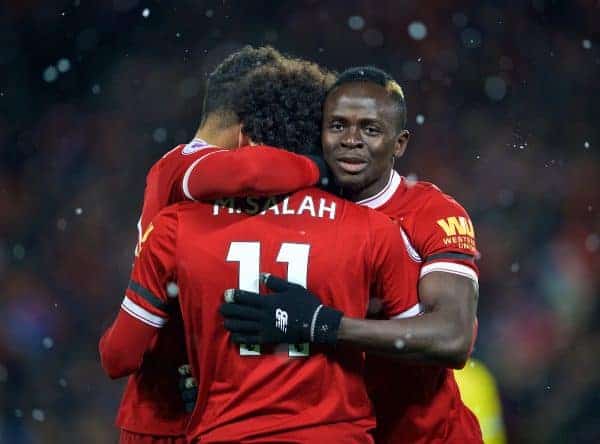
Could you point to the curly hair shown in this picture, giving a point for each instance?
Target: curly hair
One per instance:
(282, 105)
(222, 84)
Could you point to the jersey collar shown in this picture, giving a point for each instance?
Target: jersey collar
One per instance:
(381, 198)
(196, 144)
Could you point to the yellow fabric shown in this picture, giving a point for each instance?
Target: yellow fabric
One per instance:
(479, 393)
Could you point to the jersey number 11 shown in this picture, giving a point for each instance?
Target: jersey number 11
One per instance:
(248, 256)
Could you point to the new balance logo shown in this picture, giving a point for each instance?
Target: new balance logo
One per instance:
(281, 318)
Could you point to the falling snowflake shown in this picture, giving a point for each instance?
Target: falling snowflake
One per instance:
(356, 22)
(48, 342)
(417, 30)
(172, 290)
(63, 65)
(38, 415)
(50, 74)
(411, 180)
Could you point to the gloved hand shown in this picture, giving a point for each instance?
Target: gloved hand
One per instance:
(325, 180)
(290, 315)
(188, 387)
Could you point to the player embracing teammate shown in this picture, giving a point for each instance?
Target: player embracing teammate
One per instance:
(363, 131)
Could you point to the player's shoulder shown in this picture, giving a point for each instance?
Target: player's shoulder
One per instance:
(181, 209)
(376, 220)
(183, 154)
(347, 211)
(426, 196)
(173, 217)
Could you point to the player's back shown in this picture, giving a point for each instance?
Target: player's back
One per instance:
(314, 239)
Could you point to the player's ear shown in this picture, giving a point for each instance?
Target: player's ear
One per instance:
(401, 143)
(243, 139)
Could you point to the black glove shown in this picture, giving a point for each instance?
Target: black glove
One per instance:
(291, 315)
(188, 387)
(325, 178)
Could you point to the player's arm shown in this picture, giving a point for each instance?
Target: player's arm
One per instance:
(190, 172)
(250, 171)
(441, 335)
(255, 319)
(123, 345)
(448, 289)
(145, 307)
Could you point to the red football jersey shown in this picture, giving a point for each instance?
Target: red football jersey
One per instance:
(420, 403)
(340, 251)
(151, 402)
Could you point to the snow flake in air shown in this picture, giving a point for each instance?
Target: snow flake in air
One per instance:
(356, 22)
(417, 30)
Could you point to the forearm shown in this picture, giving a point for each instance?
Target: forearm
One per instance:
(430, 338)
(123, 345)
(251, 171)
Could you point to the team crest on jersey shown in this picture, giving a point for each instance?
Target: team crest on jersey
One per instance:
(193, 146)
(138, 247)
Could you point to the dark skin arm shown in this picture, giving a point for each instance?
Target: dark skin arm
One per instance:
(442, 335)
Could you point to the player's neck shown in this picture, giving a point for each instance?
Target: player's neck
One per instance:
(370, 190)
(222, 137)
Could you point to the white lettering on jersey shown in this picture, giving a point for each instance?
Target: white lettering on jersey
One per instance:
(307, 205)
(252, 205)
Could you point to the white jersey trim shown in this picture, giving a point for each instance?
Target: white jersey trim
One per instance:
(450, 267)
(385, 194)
(188, 173)
(139, 229)
(142, 314)
(195, 145)
(415, 310)
(412, 252)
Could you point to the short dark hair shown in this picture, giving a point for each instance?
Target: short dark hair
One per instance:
(282, 105)
(380, 77)
(221, 85)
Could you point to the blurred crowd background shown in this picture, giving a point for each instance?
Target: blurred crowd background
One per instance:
(503, 109)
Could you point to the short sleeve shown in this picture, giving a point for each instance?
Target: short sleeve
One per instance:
(444, 236)
(146, 296)
(395, 273)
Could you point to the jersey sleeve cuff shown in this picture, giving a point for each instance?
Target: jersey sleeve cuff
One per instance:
(140, 313)
(449, 267)
(415, 310)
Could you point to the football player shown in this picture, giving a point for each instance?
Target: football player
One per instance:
(416, 402)
(249, 394)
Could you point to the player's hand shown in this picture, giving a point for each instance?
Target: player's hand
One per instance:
(325, 178)
(188, 387)
(290, 315)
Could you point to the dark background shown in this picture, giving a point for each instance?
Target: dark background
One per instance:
(503, 110)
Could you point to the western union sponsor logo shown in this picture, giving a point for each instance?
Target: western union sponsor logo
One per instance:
(457, 225)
